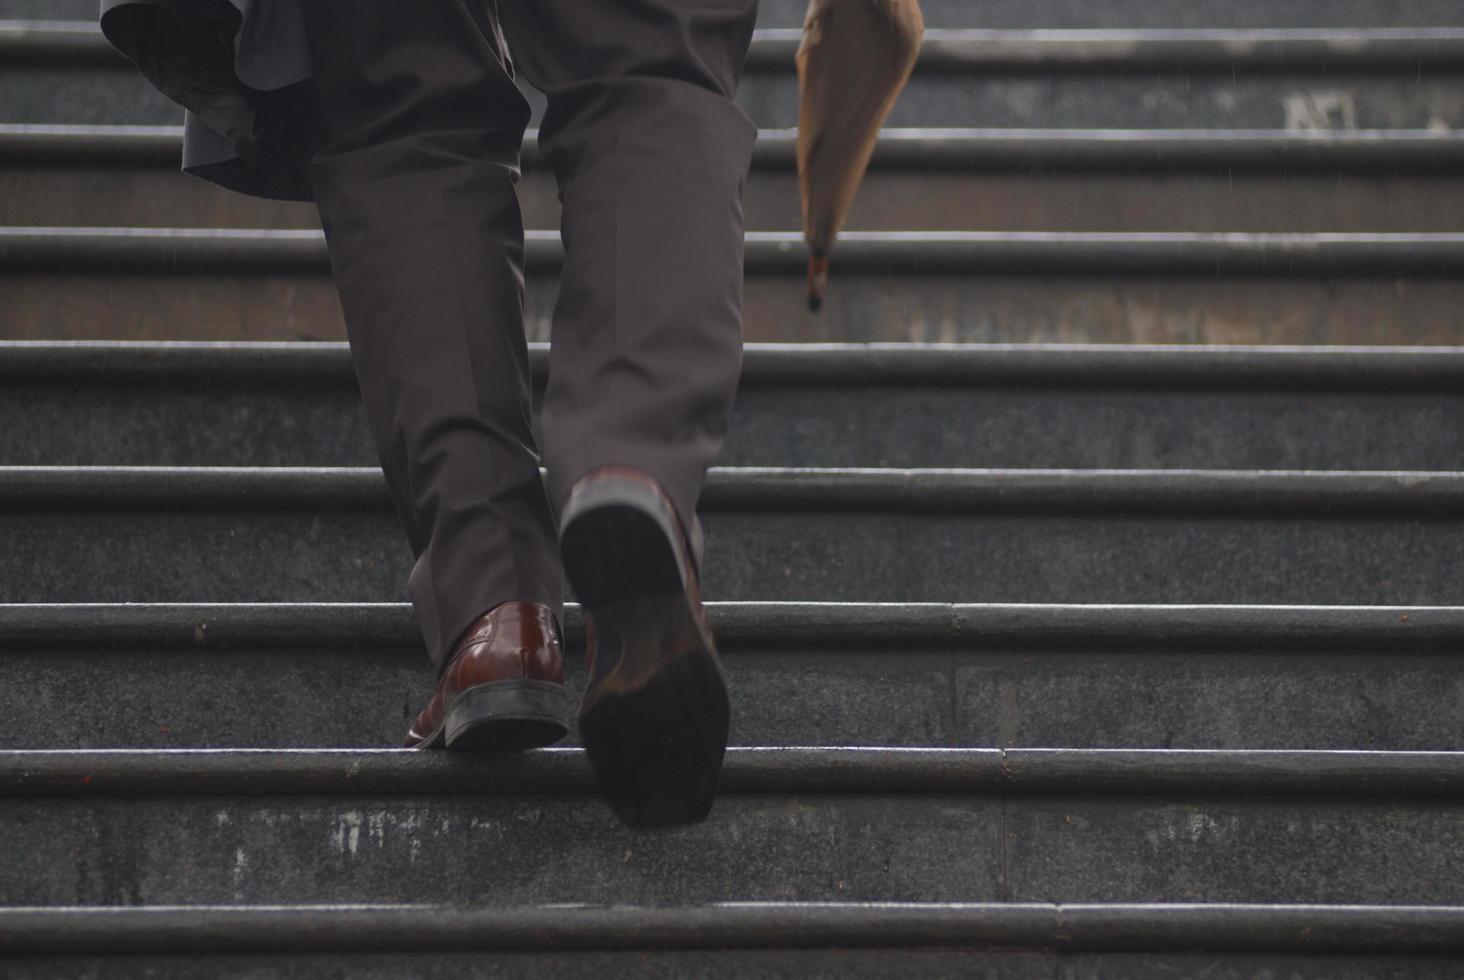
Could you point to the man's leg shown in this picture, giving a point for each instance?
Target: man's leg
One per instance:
(651, 153)
(415, 185)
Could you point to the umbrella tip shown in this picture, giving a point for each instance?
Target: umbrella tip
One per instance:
(818, 281)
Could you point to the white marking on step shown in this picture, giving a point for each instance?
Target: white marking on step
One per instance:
(347, 833)
(241, 862)
(1320, 111)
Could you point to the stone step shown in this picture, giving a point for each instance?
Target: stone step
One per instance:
(1300, 78)
(1036, 13)
(789, 964)
(908, 253)
(556, 934)
(1084, 14)
(918, 674)
(793, 941)
(96, 828)
(78, 534)
(1055, 180)
(246, 284)
(210, 404)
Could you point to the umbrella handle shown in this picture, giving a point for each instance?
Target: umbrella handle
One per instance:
(818, 281)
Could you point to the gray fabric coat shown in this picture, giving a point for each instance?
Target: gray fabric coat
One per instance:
(241, 69)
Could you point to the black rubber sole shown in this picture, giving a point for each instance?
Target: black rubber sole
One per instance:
(504, 716)
(655, 712)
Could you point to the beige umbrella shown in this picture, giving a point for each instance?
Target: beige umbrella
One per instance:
(855, 58)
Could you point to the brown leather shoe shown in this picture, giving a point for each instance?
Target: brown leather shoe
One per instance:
(503, 688)
(655, 710)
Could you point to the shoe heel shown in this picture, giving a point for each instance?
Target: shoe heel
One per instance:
(621, 538)
(507, 716)
(658, 751)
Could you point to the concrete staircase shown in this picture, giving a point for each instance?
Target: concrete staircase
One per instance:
(1049, 660)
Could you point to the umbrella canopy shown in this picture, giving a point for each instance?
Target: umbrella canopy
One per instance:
(855, 58)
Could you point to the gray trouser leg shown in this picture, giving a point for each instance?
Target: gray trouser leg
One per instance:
(415, 186)
(651, 153)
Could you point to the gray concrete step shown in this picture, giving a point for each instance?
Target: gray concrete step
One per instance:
(913, 675)
(961, 286)
(206, 535)
(1039, 13)
(1280, 79)
(801, 824)
(1075, 14)
(1074, 180)
(778, 964)
(793, 964)
(206, 404)
(1302, 78)
(783, 939)
(908, 253)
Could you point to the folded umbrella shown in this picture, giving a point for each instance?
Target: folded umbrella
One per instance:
(855, 58)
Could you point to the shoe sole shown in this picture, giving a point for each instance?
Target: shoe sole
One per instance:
(503, 716)
(655, 712)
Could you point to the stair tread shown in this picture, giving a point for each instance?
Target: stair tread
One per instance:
(21, 233)
(77, 249)
(820, 365)
(783, 770)
(733, 925)
(1328, 493)
(914, 150)
(1050, 535)
(150, 675)
(268, 625)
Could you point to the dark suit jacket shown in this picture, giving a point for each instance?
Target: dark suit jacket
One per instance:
(241, 70)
